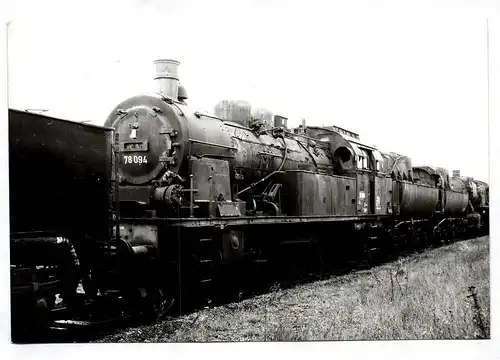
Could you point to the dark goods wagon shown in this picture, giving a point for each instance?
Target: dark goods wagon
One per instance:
(59, 174)
(60, 184)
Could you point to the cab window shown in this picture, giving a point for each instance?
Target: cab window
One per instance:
(363, 161)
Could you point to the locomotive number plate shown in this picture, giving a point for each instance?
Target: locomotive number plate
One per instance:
(136, 159)
(132, 146)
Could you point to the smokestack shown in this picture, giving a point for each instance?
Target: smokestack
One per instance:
(167, 77)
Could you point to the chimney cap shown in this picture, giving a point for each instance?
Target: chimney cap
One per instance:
(162, 60)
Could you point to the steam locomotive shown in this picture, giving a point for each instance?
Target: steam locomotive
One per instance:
(202, 202)
(235, 187)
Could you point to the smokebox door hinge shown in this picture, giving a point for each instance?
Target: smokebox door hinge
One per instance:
(167, 159)
(167, 131)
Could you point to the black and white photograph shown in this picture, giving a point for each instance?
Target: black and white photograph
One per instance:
(249, 171)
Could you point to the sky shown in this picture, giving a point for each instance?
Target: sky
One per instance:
(412, 80)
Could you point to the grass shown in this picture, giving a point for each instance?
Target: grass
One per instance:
(439, 294)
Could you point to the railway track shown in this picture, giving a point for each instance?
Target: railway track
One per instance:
(96, 321)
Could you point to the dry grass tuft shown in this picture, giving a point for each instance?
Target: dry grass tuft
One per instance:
(439, 294)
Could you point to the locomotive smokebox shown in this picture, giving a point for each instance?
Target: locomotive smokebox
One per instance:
(167, 77)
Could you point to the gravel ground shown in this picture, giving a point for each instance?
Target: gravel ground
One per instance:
(425, 296)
